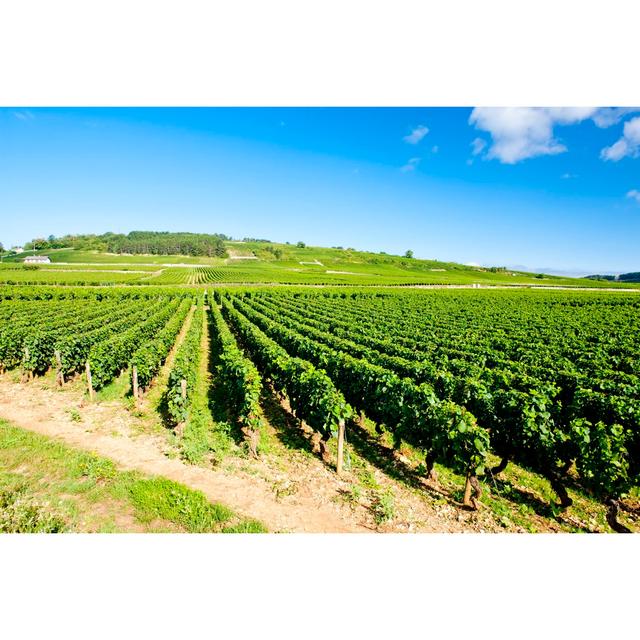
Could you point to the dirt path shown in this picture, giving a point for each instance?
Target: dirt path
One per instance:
(107, 429)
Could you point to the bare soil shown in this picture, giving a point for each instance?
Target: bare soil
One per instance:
(107, 429)
(288, 489)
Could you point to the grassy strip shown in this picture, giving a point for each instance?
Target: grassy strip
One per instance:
(47, 487)
(185, 367)
(203, 435)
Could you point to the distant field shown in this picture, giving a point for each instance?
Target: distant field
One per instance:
(71, 255)
(293, 265)
(82, 266)
(74, 277)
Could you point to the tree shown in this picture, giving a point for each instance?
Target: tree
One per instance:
(301, 245)
(39, 243)
(408, 253)
(277, 253)
(1, 248)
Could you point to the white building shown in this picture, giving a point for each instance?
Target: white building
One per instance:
(17, 249)
(37, 260)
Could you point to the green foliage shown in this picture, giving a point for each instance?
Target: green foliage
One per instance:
(185, 367)
(163, 498)
(239, 376)
(246, 526)
(464, 374)
(197, 439)
(311, 392)
(412, 412)
(151, 355)
(37, 322)
(110, 357)
(383, 506)
(143, 242)
(20, 513)
(603, 459)
(95, 468)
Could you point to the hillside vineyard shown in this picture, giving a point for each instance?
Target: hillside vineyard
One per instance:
(549, 380)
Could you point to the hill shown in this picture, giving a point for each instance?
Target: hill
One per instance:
(218, 259)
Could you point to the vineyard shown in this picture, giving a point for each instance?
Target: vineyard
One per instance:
(471, 381)
(549, 381)
(100, 335)
(198, 275)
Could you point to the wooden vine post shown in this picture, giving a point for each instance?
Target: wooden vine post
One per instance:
(340, 447)
(27, 374)
(59, 374)
(89, 385)
(134, 374)
(183, 392)
(466, 501)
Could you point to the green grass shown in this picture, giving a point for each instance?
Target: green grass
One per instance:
(382, 506)
(168, 500)
(46, 486)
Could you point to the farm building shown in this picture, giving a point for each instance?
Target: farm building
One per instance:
(37, 260)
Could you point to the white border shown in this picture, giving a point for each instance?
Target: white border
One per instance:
(318, 53)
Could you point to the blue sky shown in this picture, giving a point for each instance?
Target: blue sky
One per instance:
(554, 189)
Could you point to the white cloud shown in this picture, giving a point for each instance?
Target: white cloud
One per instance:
(411, 165)
(569, 176)
(519, 133)
(478, 145)
(628, 145)
(608, 116)
(25, 116)
(616, 151)
(634, 194)
(416, 135)
(571, 115)
(435, 148)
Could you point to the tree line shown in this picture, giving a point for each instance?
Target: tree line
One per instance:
(623, 277)
(139, 242)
